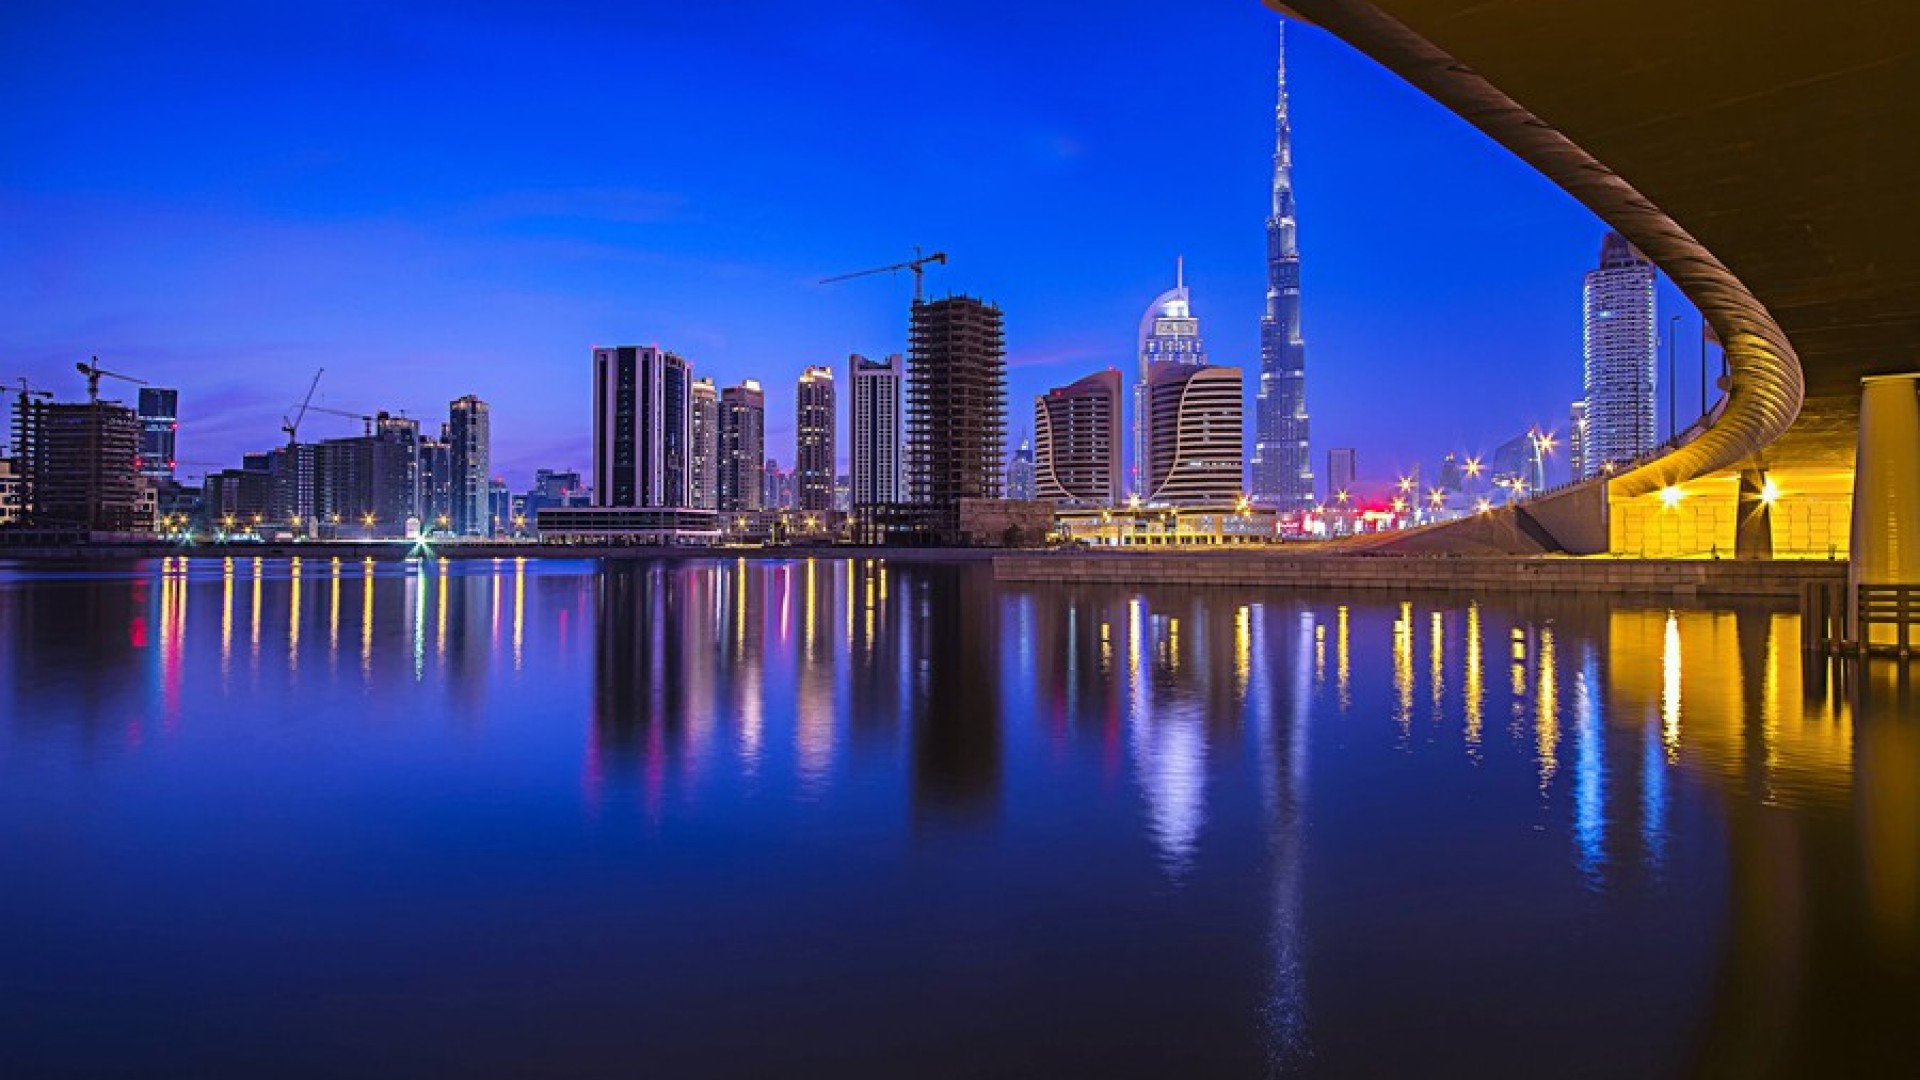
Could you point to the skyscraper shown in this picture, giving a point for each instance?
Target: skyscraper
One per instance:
(468, 431)
(1169, 334)
(1619, 346)
(705, 466)
(1577, 440)
(1076, 437)
(1282, 466)
(1020, 471)
(814, 444)
(1196, 455)
(1341, 471)
(956, 403)
(159, 424)
(642, 413)
(875, 449)
(743, 421)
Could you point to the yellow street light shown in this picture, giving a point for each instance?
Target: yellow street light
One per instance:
(1670, 496)
(1406, 484)
(1473, 466)
(1769, 492)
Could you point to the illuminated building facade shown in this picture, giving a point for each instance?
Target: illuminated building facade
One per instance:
(743, 425)
(704, 437)
(1169, 334)
(1619, 345)
(159, 427)
(875, 447)
(814, 444)
(1195, 456)
(470, 436)
(641, 421)
(1076, 442)
(1282, 463)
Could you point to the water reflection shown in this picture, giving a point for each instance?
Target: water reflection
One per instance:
(1689, 825)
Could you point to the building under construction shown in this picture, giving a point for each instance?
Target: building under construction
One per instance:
(77, 466)
(956, 416)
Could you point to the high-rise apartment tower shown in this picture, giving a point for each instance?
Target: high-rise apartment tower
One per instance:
(875, 447)
(642, 415)
(1620, 348)
(743, 425)
(814, 444)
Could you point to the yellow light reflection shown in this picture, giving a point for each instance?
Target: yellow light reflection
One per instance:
(1546, 704)
(1341, 658)
(440, 615)
(366, 619)
(1670, 689)
(1436, 655)
(226, 616)
(257, 571)
(1473, 689)
(293, 616)
(333, 617)
(1403, 668)
(519, 608)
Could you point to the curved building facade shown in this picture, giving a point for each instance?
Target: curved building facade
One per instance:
(1195, 454)
(1076, 442)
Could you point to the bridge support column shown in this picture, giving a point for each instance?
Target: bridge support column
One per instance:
(1753, 525)
(1886, 490)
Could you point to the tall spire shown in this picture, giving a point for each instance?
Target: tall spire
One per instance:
(1282, 143)
(1281, 471)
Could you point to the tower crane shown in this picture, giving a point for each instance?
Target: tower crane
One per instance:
(917, 264)
(24, 390)
(348, 413)
(93, 371)
(291, 425)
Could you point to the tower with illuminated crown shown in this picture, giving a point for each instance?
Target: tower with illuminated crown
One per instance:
(1282, 463)
(1169, 334)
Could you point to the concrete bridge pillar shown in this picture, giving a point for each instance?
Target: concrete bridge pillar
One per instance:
(1753, 523)
(1886, 488)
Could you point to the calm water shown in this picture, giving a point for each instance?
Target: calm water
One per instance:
(753, 818)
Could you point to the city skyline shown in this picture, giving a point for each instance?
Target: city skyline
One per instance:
(508, 335)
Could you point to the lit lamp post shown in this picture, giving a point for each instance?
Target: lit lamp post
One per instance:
(368, 520)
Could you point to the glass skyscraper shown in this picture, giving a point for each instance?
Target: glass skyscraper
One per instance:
(1619, 344)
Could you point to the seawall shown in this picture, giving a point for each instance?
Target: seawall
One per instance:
(1471, 574)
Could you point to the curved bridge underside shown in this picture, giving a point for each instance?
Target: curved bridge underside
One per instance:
(1765, 154)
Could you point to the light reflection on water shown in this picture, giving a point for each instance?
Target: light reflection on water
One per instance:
(936, 801)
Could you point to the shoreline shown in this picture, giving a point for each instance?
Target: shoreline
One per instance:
(401, 551)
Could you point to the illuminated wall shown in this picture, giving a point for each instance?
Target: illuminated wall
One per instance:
(1691, 521)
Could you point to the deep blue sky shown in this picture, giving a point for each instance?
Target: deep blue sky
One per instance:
(432, 199)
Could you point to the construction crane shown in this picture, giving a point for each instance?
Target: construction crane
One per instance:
(93, 371)
(348, 413)
(917, 264)
(24, 390)
(291, 425)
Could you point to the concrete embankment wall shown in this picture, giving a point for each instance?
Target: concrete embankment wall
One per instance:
(1637, 577)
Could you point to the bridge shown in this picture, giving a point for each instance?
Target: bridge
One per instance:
(1763, 156)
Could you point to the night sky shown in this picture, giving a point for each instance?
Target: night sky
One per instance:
(434, 199)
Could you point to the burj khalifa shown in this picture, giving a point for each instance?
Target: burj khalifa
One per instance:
(1282, 464)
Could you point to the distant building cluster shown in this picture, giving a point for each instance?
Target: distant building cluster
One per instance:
(676, 458)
